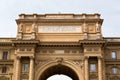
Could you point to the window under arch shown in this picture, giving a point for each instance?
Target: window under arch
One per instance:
(114, 55)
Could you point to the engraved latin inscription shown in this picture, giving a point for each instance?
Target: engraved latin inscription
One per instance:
(59, 29)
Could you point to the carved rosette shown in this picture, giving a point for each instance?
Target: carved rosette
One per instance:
(59, 60)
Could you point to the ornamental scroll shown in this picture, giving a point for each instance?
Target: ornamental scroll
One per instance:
(59, 29)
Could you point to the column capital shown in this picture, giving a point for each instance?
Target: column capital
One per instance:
(99, 68)
(17, 72)
(86, 67)
(18, 57)
(31, 70)
(31, 57)
(99, 57)
(86, 57)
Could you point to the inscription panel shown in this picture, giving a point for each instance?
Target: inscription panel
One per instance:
(59, 29)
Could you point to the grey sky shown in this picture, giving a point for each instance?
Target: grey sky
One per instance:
(109, 10)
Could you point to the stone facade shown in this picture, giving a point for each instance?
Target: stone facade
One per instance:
(69, 44)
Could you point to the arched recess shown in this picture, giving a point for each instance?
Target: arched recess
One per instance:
(53, 67)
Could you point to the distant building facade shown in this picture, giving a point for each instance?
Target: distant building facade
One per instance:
(69, 44)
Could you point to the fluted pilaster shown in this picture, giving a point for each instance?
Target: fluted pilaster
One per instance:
(17, 77)
(99, 68)
(31, 70)
(86, 69)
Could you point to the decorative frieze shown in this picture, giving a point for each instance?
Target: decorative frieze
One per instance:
(59, 29)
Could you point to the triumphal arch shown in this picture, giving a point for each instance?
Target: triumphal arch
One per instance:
(69, 44)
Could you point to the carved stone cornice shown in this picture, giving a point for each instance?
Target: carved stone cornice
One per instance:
(25, 41)
(112, 41)
(59, 44)
(60, 20)
(5, 44)
(6, 41)
(110, 61)
(101, 43)
(113, 44)
(92, 41)
(7, 61)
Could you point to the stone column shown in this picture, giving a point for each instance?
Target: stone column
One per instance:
(86, 68)
(31, 69)
(99, 68)
(17, 77)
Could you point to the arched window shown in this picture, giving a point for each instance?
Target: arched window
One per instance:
(4, 69)
(114, 55)
(25, 67)
(5, 55)
(92, 67)
(114, 70)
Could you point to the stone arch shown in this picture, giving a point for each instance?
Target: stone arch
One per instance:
(53, 68)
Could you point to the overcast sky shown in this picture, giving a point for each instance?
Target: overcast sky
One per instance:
(109, 10)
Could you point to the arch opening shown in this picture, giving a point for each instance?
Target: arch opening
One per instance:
(59, 70)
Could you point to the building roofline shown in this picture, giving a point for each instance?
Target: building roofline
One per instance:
(111, 37)
(59, 14)
(7, 37)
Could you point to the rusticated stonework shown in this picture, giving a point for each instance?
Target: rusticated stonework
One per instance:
(69, 44)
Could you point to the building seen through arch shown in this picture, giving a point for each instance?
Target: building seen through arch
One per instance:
(59, 44)
(59, 77)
